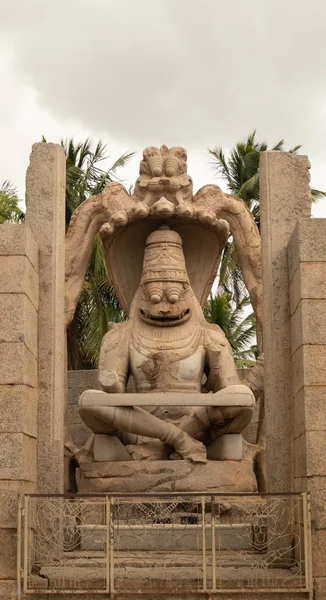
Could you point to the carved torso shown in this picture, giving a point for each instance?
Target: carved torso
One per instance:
(167, 359)
(166, 371)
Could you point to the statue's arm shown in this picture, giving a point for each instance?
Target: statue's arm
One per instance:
(220, 366)
(114, 359)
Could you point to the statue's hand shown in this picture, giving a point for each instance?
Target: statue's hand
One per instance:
(109, 381)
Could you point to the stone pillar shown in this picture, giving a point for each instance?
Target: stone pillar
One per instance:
(307, 271)
(284, 198)
(45, 202)
(18, 387)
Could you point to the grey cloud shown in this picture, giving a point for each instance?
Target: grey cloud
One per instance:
(191, 72)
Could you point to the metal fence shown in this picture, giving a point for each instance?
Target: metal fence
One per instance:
(164, 543)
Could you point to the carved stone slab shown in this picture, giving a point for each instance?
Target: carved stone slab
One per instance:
(167, 476)
(237, 395)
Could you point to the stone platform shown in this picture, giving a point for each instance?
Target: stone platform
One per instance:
(167, 476)
(137, 576)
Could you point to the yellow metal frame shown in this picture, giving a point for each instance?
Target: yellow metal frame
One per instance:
(208, 586)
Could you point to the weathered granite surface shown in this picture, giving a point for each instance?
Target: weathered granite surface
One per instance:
(168, 476)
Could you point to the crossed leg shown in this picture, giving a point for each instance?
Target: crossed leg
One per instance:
(106, 419)
(224, 419)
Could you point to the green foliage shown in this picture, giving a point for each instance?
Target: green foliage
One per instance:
(84, 177)
(10, 212)
(98, 304)
(240, 171)
(239, 330)
(97, 307)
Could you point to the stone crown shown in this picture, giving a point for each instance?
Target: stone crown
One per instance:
(164, 259)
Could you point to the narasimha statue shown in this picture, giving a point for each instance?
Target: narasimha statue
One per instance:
(187, 404)
(167, 346)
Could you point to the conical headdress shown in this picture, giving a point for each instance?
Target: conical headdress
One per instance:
(163, 258)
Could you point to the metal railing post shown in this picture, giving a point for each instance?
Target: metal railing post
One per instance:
(203, 524)
(111, 547)
(107, 543)
(26, 532)
(19, 548)
(307, 542)
(213, 543)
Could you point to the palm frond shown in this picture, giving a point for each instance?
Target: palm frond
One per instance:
(121, 161)
(239, 330)
(240, 171)
(295, 149)
(279, 146)
(317, 194)
(10, 211)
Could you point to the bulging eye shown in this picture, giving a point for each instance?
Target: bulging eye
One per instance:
(173, 295)
(173, 298)
(155, 298)
(155, 293)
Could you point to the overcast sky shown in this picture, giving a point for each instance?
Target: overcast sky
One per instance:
(196, 73)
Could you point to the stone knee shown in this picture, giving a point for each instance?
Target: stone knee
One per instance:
(240, 419)
(95, 420)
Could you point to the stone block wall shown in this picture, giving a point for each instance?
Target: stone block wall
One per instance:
(19, 305)
(32, 350)
(307, 275)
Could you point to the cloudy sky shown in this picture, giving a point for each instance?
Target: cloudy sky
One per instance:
(197, 73)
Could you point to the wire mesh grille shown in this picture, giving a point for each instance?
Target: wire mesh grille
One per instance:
(164, 543)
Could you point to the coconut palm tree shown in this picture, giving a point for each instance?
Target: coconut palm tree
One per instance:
(98, 304)
(240, 171)
(239, 329)
(10, 212)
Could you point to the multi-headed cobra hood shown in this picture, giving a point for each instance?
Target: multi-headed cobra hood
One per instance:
(162, 232)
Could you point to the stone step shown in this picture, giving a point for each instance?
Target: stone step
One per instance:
(147, 537)
(164, 574)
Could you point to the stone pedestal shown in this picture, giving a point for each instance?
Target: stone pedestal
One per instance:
(45, 201)
(167, 476)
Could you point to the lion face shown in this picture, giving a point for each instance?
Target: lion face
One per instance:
(165, 303)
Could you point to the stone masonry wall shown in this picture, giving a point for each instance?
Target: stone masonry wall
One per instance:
(18, 385)
(307, 274)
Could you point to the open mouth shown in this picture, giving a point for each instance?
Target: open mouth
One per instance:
(165, 320)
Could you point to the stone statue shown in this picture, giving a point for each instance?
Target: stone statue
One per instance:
(167, 346)
(162, 247)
